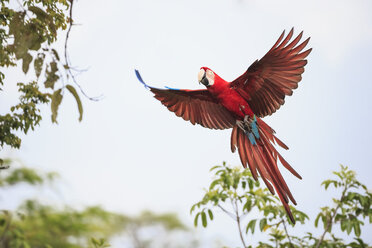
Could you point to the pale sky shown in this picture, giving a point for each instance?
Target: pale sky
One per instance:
(130, 153)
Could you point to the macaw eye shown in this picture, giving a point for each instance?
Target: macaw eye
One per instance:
(201, 75)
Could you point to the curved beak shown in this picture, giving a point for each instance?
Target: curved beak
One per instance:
(202, 78)
(205, 80)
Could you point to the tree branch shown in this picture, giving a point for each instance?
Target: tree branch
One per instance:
(238, 222)
(67, 61)
(227, 212)
(286, 231)
(333, 215)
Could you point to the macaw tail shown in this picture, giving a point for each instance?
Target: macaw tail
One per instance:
(262, 158)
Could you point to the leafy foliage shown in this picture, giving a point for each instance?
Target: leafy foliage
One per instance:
(236, 193)
(23, 175)
(36, 225)
(28, 31)
(101, 243)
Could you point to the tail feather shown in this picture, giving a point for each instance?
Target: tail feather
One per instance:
(262, 158)
(251, 162)
(279, 185)
(276, 173)
(234, 139)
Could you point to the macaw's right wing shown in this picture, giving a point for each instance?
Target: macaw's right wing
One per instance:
(196, 106)
(268, 80)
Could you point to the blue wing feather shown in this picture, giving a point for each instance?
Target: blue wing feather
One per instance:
(169, 88)
(140, 79)
(147, 86)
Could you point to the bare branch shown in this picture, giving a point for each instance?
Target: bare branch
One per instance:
(286, 231)
(227, 212)
(67, 61)
(238, 223)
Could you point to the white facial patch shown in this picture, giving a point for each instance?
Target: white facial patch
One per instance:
(210, 76)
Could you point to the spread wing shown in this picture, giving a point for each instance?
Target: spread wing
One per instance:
(196, 106)
(268, 80)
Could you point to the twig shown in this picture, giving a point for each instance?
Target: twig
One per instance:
(286, 232)
(330, 220)
(68, 31)
(227, 212)
(68, 66)
(238, 222)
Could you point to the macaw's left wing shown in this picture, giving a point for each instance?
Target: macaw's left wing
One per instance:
(268, 80)
(196, 106)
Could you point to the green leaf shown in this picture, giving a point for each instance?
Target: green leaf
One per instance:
(51, 76)
(244, 184)
(192, 208)
(210, 214)
(250, 184)
(357, 229)
(251, 225)
(55, 53)
(204, 219)
(215, 167)
(213, 184)
(343, 225)
(349, 226)
(26, 62)
(317, 219)
(263, 224)
(196, 219)
(56, 101)
(78, 101)
(38, 64)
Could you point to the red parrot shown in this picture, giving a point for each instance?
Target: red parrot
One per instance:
(241, 104)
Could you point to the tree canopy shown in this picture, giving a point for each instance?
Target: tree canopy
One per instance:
(237, 194)
(28, 41)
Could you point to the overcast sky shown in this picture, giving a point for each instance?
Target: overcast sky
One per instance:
(130, 153)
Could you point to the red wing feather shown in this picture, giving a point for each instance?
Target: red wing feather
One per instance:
(196, 106)
(268, 80)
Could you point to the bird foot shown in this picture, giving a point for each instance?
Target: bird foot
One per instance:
(240, 124)
(245, 124)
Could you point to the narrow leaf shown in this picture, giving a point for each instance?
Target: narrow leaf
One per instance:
(196, 219)
(204, 219)
(263, 224)
(55, 54)
(56, 101)
(251, 225)
(77, 98)
(210, 214)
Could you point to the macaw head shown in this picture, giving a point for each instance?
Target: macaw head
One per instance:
(206, 76)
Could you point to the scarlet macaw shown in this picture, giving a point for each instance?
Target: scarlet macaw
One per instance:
(241, 104)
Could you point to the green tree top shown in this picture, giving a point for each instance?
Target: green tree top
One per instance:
(237, 194)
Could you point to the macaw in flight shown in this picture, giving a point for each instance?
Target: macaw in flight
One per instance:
(241, 104)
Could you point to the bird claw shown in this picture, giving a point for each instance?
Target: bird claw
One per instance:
(240, 124)
(244, 124)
